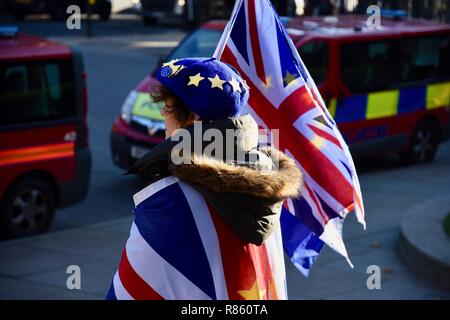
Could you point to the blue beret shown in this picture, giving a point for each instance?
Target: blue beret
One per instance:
(208, 87)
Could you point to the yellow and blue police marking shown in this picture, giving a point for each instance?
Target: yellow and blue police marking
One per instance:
(354, 108)
(390, 103)
(144, 107)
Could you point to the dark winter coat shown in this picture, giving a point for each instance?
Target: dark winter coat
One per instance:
(248, 195)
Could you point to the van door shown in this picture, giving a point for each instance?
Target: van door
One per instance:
(39, 122)
(385, 89)
(316, 55)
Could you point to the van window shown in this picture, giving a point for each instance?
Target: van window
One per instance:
(33, 92)
(392, 64)
(315, 57)
(200, 43)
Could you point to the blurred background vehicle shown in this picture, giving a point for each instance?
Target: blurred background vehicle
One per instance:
(388, 89)
(57, 8)
(194, 12)
(45, 160)
(187, 11)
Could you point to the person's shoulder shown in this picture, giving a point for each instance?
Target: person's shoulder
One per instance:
(160, 188)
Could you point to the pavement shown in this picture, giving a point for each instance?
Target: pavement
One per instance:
(421, 253)
(35, 267)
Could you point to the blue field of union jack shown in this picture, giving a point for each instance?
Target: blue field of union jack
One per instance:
(180, 248)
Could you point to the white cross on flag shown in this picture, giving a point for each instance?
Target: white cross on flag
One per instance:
(283, 96)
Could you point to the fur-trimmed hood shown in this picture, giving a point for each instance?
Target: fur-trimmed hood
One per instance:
(248, 195)
(275, 182)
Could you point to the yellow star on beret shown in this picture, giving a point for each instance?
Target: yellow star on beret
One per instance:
(174, 68)
(195, 80)
(235, 84)
(216, 82)
(170, 63)
(179, 68)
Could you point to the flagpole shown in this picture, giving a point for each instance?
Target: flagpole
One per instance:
(226, 33)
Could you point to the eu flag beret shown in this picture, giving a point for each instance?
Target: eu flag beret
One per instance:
(208, 87)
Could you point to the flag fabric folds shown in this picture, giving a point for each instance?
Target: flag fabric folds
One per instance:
(283, 96)
(180, 248)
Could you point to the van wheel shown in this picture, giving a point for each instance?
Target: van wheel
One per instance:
(19, 16)
(149, 21)
(59, 12)
(105, 13)
(27, 208)
(423, 146)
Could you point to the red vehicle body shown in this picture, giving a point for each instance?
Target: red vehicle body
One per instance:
(378, 108)
(45, 159)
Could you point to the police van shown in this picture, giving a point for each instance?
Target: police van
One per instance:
(45, 160)
(388, 88)
(194, 11)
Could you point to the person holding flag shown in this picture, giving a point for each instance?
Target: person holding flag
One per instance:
(207, 227)
(215, 227)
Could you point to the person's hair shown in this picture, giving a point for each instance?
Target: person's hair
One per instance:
(181, 112)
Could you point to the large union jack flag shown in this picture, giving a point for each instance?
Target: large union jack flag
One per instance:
(283, 96)
(180, 248)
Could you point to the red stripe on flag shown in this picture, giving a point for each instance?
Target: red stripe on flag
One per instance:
(133, 283)
(254, 39)
(359, 203)
(304, 151)
(245, 265)
(237, 266)
(325, 135)
(318, 205)
(264, 276)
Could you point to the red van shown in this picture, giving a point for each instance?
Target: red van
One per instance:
(388, 89)
(45, 160)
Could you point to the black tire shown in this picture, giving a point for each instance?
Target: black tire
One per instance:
(105, 14)
(149, 21)
(19, 16)
(59, 12)
(27, 208)
(424, 144)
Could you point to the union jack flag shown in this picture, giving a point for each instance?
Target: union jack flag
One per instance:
(283, 96)
(180, 248)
